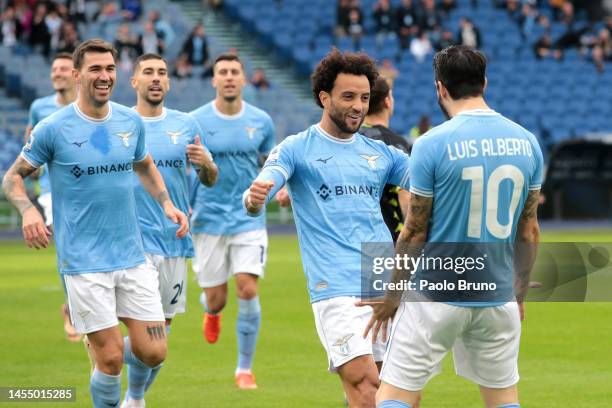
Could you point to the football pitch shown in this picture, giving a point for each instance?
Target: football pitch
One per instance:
(565, 360)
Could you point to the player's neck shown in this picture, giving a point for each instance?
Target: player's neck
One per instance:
(228, 108)
(91, 110)
(468, 104)
(381, 119)
(65, 97)
(330, 127)
(149, 111)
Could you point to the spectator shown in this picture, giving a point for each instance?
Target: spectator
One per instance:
(388, 71)
(406, 21)
(421, 128)
(430, 16)
(39, 33)
(196, 47)
(54, 25)
(69, 37)
(602, 50)
(131, 9)
(342, 17)
(528, 19)
(150, 41)
(383, 18)
(468, 33)
(355, 27)
(446, 40)
(10, 27)
(447, 6)
(544, 46)
(182, 67)
(75, 10)
(128, 47)
(420, 47)
(259, 80)
(162, 28)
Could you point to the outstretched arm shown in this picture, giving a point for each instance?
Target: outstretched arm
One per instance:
(35, 232)
(153, 182)
(263, 188)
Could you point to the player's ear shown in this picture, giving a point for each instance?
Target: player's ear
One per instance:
(133, 82)
(324, 98)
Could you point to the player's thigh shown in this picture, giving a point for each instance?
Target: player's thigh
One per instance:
(248, 252)
(487, 352)
(147, 340)
(211, 259)
(421, 335)
(137, 293)
(340, 325)
(91, 301)
(172, 276)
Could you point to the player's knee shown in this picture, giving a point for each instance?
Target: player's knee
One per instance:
(110, 360)
(367, 391)
(216, 301)
(155, 354)
(248, 291)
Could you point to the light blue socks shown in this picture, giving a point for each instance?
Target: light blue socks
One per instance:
(105, 389)
(393, 404)
(247, 329)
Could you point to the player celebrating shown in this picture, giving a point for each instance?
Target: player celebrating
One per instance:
(394, 200)
(170, 136)
(91, 147)
(65, 93)
(228, 242)
(482, 194)
(335, 178)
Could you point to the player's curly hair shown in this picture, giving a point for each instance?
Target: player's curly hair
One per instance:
(336, 62)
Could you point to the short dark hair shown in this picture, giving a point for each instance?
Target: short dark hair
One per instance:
(226, 56)
(147, 57)
(461, 69)
(379, 93)
(93, 45)
(62, 55)
(336, 62)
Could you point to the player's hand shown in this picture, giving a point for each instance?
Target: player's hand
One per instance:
(382, 313)
(197, 154)
(258, 194)
(177, 217)
(35, 232)
(283, 197)
(521, 307)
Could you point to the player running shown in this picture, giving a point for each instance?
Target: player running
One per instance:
(394, 201)
(91, 148)
(65, 93)
(228, 242)
(335, 178)
(172, 136)
(474, 179)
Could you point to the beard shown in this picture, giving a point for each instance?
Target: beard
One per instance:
(230, 99)
(442, 108)
(337, 117)
(154, 102)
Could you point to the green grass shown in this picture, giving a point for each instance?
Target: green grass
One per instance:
(565, 350)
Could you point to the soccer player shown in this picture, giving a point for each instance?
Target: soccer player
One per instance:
(474, 179)
(92, 147)
(171, 137)
(227, 241)
(335, 179)
(394, 201)
(65, 93)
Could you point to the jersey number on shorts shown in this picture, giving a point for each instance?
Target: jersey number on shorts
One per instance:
(179, 289)
(476, 176)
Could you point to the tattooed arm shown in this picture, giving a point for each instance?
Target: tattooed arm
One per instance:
(525, 246)
(35, 233)
(153, 182)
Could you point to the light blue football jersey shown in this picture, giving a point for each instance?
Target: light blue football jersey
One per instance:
(236, 143)
(90, 168)
(40, 109)
(167, 138)
(478, 167)
(335, 187)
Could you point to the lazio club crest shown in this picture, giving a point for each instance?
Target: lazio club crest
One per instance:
(174, 136)
(125, 137)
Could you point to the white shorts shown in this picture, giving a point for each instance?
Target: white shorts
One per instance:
(172, 277)
(217, 257)
(96, 300)
(45, 202)
(485, 343)
(340, 325)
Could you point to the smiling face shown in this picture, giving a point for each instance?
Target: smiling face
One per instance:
(96, 77)
(348, 102)
(61, 75)
(228, 79)
(151, 81)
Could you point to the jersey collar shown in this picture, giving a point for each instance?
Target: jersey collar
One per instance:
(229, 117)
(162, 116)
(485, 112)
(334, 139)
(89, 118)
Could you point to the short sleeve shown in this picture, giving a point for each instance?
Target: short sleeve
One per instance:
(399, 174)
(281, 158)
(32, 116)
(422, 166)
(141, 149)
(537, 177)
(269, 138)
(39, 148)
